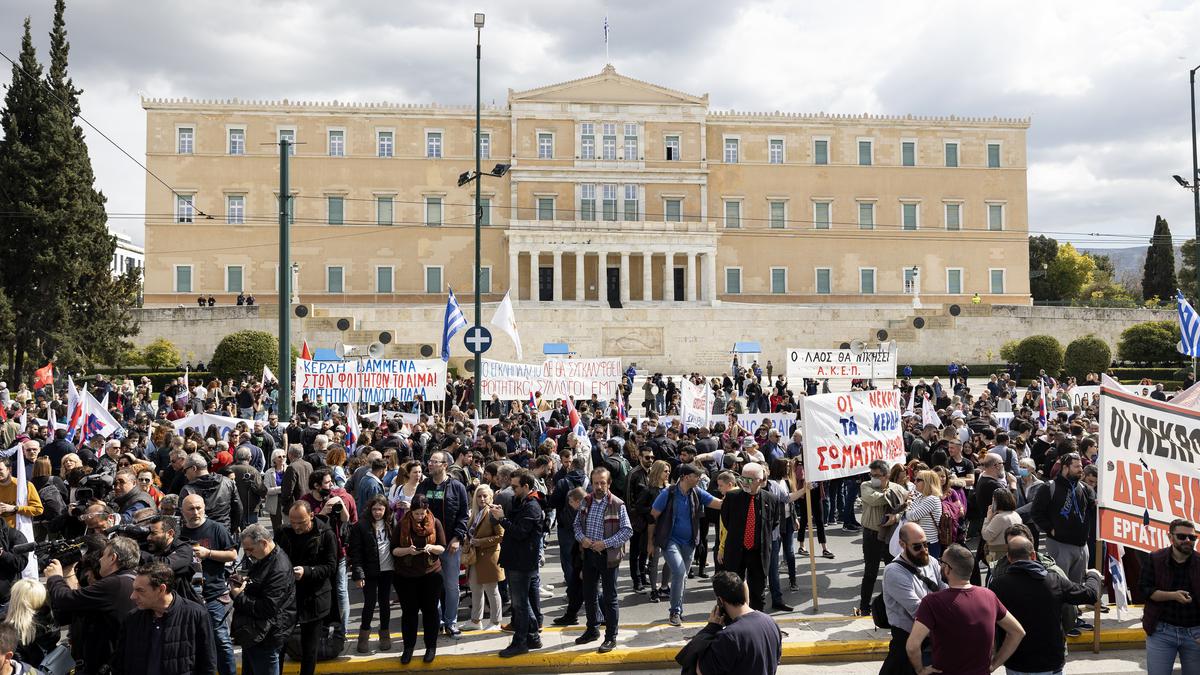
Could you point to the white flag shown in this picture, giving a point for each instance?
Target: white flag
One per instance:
(24, 523)
(267, 375)
(929, 414)
(505, 320)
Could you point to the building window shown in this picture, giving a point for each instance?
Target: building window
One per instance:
(631, 142)
(433, 279)
(954, 216)
(993, 150)
(485, 280)
(997, 279)
(864, 152)
(185, 210)
(384, 211)
(433, 211)
(631, 202)
(911, 274)
(731, 151)
(385, 142)
(485, 211)
(587, 201)
(954, 281)
(334, 276)
(673, 210)
(952, 154)
(233, 279)
(485, 146)
(433, 144)
(545, 209)
(995, 217)
(824, 280)
(821, 215)
(866, 281)
(185, 140)
(733, 214)
(587, 140)
(821, 151)
(337, 143)
(235, 209)
(237, 141)
(908, 153)
(775, 151)
(608, 147)
(909, 216)
(733, 280)
(335, 208)
(545, 146)
(384, 276)
(609, 201)
(672, 145)
(778, 215)
(183, 278)
(779, 280)
(866, 215)
(288, 135)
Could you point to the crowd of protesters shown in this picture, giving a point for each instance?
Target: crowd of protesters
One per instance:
(184, 543)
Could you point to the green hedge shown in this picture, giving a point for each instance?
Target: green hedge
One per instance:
(1156, 374)
(977, 369)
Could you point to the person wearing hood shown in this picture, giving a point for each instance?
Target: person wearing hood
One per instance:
(1035, 597)
(129, 498)
(221, 501)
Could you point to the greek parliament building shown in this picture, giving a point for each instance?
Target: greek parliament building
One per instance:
(620, 193)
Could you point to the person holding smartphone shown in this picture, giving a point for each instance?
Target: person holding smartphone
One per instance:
(417, 543)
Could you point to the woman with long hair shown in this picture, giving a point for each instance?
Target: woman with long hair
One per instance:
(925, 508)
(404, 488)
(656, 481)
(69, 461)
(483, 550)
(273, 479)
(1001, 514)
(416, 544)
(372, 567)
(335, 459)
(30, 615)
(783, 538)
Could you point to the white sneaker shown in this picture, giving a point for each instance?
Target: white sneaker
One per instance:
(472, 625)
(545, 593)
(495, 625)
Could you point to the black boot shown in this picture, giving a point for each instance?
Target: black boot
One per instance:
(407, 655)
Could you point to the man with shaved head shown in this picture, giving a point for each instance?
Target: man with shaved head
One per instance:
(213, 544)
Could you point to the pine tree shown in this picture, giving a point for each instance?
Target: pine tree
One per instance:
(1158, 276)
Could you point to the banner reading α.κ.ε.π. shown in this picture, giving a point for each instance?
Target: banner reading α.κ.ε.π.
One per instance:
(1149, 465)
(843, 433)
(371, 380)
(555, 378)
(820, 364)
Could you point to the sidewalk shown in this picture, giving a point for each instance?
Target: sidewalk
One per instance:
(807, 639)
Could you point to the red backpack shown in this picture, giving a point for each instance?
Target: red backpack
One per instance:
(948, 526)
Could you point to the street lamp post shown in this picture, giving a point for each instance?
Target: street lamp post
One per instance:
(478, 212)
(1195, 172)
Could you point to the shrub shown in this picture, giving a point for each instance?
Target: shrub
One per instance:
(1150, 342)
(1008, 351)
(1087, 354)
(161, 354)
(245, 351)
(1040, 352)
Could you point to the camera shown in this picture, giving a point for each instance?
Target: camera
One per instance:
(66, 551)
(336, 508)
(135, 532)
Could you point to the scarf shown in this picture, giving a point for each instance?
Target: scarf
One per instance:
(411, 529)
(1071, 503)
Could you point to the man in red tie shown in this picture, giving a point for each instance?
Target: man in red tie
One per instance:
(747, 515)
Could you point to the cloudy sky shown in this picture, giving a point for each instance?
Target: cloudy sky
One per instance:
(1105, 82)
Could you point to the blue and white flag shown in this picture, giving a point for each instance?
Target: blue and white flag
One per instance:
(1189, 326)
(455, 321)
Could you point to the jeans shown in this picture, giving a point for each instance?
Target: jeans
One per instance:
(596, 572)
(450, 586)
(246, 413)
(874, 552)
(341, 582)
(377, 588)
(218, 614)
(535, 597)
(773, 573)
(1167, 641)
(679, 559)
(522, 613)
(259, 660)
(849, 493)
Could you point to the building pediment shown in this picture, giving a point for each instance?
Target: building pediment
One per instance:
(606, 87)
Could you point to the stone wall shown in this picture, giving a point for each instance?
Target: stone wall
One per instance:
(669, 340)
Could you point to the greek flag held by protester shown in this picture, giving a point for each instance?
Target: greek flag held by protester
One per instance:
(455, 321)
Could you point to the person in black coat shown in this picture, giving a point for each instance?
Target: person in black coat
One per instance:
(310, 545)
(749, 562)
(264, 602)
(371, 569)
(10, 564)
(102, 603)
(175, 553)
(167, 634)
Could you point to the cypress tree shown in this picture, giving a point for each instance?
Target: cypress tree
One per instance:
(1158, 276)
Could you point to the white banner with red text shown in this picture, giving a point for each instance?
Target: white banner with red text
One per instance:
(554, 378)
(844, 433)
(844, 364)
(371, 380)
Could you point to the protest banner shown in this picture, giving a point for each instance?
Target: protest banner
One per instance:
(694, 403)
(1083, 396)
(845, 432)
(784, 422)
(371, 380)
(820, 364)
(1149, 454)
(554, 378)
(1003, 419)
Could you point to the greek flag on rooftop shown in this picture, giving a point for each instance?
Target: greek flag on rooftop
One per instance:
(1189, 326)
(455, 321)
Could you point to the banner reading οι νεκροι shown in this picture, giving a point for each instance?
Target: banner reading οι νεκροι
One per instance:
(844, 433)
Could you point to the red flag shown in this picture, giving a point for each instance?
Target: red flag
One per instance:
(304, 353)
(44, 376)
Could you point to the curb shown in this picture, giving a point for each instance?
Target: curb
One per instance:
(660, 658)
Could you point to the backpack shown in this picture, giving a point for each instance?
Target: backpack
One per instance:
(618, 466)
(948, 529)
(879, 609)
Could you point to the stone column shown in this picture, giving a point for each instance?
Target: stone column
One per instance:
(669, 277)
(710, 280)
(558, 291)
(624, 277)
(647, 277)
(514, 275)
(533, 275)
(580, 290)
(690, 281)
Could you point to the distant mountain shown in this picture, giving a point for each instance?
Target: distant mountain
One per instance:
(1128, 262)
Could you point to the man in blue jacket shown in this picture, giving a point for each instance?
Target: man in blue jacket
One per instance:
(448, 502)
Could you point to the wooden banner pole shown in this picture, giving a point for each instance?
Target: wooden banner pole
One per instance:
(1100, 553)
(812, 550)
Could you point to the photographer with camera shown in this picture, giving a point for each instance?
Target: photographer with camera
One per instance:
(215, 547)
(335, 507)
(220, 496)
(162, 546)
(128, 497)
(98, 608)
(264, 602)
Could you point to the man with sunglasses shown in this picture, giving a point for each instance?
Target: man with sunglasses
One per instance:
(906, 580)
(1171, 616)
